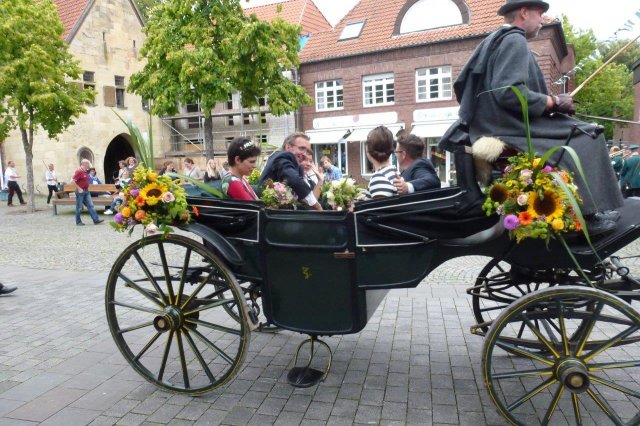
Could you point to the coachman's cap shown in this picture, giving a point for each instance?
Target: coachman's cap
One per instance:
(632, 147)
(516, 4)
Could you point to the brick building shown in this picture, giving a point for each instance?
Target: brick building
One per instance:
(634, 135)
(393, 63)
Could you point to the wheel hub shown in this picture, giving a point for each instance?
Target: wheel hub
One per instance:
(171, 319)
(573, 373)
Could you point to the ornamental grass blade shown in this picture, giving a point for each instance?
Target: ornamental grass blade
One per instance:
(144, 147)
(576, 160)
(206, 188)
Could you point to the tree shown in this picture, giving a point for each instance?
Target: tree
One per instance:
(628, 57)
(201, 51)
(610, 94)
(35, 69)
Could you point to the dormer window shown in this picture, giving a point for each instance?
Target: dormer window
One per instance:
(430, 14)
(352, 30)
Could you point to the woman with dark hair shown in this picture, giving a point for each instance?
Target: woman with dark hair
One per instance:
(242, 156)
(167, 167)
(379, 147)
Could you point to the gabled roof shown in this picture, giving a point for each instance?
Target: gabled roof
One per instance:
(382, 23)
(299, 12)
(73, 12)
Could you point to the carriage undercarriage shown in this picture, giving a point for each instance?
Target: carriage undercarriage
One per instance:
(556, 339)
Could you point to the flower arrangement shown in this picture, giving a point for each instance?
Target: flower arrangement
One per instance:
(254, 177)
(278, 195)
(340, 194)
(155, 202)
(533, 201)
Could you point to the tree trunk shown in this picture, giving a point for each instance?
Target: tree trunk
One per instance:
(27, 142)
(208, 137)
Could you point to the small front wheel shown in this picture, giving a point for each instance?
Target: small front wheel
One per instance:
(167, 302)
(588, 371)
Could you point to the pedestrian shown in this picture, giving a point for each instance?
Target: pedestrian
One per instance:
(191, 170)
(52, 181)
(6, 290)
(83, 197)
(489, 108)
(331, 172)
(630, 175)
(11, 176)
(211, 172)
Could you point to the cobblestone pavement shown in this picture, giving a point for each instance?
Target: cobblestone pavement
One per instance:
(414, 363)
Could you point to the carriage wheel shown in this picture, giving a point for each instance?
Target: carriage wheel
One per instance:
(590, 371)
(167, 318)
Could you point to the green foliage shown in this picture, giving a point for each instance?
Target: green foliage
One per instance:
(203, 50)
(35, 69)
(610, 93)
(142, 142)
(628, 57)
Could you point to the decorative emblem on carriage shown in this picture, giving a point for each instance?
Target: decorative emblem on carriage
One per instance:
(306, 272)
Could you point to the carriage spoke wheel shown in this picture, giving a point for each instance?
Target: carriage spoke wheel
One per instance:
(168, 318)
(590, 372)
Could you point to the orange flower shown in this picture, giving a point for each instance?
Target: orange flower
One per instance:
(140, 215)
(525, 218)
(140, 201)
(195, 210)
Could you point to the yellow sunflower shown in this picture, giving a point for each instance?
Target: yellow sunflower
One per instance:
(548, 206)
(152, 193)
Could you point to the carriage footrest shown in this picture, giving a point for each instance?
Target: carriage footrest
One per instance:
(307, 376)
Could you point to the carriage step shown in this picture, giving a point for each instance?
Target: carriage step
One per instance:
(307, 376)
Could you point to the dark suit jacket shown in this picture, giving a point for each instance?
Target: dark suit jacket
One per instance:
(283, 167)
(421, 175)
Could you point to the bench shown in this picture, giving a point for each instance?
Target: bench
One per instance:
(66, 197)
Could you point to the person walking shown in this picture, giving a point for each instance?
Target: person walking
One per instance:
(630, 175)
(83, 197)
(11, 176)
(52, 181)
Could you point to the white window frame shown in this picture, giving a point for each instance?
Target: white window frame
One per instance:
(363, 161)
(443, 80)
(336, 91)
(370, 82)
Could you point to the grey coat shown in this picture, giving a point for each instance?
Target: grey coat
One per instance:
(499, 113)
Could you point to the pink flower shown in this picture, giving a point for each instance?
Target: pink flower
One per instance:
(168, 197)
(511, 222)
(547, 169)
(151, 229)
(134, 192)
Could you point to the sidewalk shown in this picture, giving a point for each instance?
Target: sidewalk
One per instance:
(414, 363)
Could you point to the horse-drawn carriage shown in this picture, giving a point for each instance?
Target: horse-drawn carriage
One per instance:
(181, 308)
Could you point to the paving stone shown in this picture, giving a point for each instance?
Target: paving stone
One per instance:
(46, 405)
(71, 416)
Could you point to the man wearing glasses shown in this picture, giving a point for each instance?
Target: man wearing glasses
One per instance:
(417, 173)
(286, 166)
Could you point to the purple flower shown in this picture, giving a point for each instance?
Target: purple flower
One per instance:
(511, 222)
(547, 169)
(134, 192)
(118, 218)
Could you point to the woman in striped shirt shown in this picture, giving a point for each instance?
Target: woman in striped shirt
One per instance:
(379, 147)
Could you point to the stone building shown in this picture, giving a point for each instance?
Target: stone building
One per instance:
(393, 63)
(104, 36)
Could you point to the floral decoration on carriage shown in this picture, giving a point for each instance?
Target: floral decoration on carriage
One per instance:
(155, 202)
(533, 199)
(278, 195)
(340, 194)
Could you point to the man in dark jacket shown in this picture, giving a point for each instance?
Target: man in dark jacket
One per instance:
(417, 173)
(285, 166)
(503, 59)
(630, 174)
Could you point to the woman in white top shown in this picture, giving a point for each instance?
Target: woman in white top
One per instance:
(379, 147)
(52, 181)
(191, 170)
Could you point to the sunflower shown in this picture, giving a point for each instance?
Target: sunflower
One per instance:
(548, 205)
(499, 193)
(152, 193)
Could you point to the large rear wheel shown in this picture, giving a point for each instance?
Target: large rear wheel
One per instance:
(167, 302)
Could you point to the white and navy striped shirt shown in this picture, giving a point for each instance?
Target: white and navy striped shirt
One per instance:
(381, 183)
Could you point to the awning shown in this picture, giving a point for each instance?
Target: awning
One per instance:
(326, 136)
(360, 133)
(431, 130)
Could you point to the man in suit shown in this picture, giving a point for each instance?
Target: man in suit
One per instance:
(417, 173)
(631, 173)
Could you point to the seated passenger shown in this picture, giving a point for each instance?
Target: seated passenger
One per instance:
(313, 175)
(285, 166)
(242, 155)
(417, 173)
(379, 147)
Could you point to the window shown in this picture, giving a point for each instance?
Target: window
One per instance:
(89, 80)
(365, 165)
(85, 153)
(262, 139)
(119, 80)
(329, 95)
(352, 30)
(246, 119)
(229, 104)
(433, 84)
(227, 141)
(193, 122)
(230, 121)
(263, 118)
(262, 102)
(378, 89)
(424, 15)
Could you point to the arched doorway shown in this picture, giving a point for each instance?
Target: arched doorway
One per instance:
(119, 149)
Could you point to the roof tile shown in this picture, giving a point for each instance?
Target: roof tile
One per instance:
(299, 12)
(378, 32)
(70, 11)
